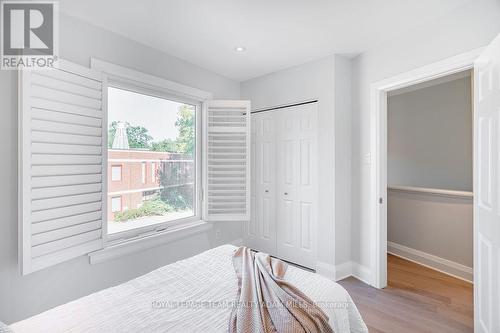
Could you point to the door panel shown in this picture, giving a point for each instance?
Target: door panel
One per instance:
(297, 184)
(289, 222)
(486, 190)
(266, 218)
(260, 232)
(305, 160)
(305, 225)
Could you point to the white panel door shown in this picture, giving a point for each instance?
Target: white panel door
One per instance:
(297, 184)
(260, 232)
(486, 190)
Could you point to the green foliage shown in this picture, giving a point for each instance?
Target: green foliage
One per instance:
(175, 178)
(149, 208)
(185, 124)
(180, 198)
(111, 133)
(138, 136)
(167, 145)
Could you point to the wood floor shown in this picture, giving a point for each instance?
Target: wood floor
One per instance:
(417, 299)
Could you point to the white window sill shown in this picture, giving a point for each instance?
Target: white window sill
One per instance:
(141, 243)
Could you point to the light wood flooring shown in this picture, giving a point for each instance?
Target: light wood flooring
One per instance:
(417, 299)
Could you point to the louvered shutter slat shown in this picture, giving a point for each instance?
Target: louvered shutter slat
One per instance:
(51, 159)
(67, 108)
(56, 224)
(62, 169)
(45, 182)
(227, 161)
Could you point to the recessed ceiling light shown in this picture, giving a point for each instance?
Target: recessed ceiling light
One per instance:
(240, 49)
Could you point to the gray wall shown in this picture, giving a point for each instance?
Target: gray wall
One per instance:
(23, 296)
(466, 28)
(429, 128)
(429, 134)
(437, 225)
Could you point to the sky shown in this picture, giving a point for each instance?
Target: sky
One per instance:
(158, 115)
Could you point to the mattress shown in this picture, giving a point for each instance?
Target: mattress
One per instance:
(192, 295)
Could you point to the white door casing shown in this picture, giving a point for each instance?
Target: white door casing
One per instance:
(260, 231)
(377, 157)
(297, 184)
(486, 190)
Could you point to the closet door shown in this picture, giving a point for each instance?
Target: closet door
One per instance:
(297, 184)
(261, 230)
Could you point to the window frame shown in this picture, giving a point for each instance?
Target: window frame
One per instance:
(123, 83)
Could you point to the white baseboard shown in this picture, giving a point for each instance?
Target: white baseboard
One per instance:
(344, 270)
(431, 261)
(361, 273)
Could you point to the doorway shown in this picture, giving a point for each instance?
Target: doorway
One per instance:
(486, 65)
(378, 196)
(429, 174)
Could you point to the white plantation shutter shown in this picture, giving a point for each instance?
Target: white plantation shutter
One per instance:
(226, 191)
(61, 165)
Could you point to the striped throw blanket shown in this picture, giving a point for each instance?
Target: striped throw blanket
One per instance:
(267, 303)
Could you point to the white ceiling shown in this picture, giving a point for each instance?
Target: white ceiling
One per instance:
(277, 33)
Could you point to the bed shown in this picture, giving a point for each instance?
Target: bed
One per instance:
(192, 295)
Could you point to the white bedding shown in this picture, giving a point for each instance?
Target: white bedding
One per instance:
(192, 295)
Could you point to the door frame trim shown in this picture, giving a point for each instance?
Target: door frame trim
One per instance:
(378, 149)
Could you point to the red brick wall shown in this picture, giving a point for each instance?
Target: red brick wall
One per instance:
(131, 176)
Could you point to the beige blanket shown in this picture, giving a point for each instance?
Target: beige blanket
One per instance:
(267, 303)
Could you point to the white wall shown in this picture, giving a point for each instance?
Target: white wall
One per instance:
(23, 296)
(317, 80)
(342, 160)
(466, 28)
(429, 136)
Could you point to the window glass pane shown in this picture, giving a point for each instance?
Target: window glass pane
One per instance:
(116, 204)
(153, 172)
(143, 172)
(116, 173)
(153, 140)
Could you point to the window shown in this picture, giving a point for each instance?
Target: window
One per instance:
(146, 124)
(153, 172)
(116, 204)
(116, 173)
(143, 172)
(157, 135)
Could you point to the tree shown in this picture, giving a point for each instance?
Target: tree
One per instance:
(138, 136)
(185, 124)
(111, 133)
(168, 145)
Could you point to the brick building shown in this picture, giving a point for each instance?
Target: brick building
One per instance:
(133, 176)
